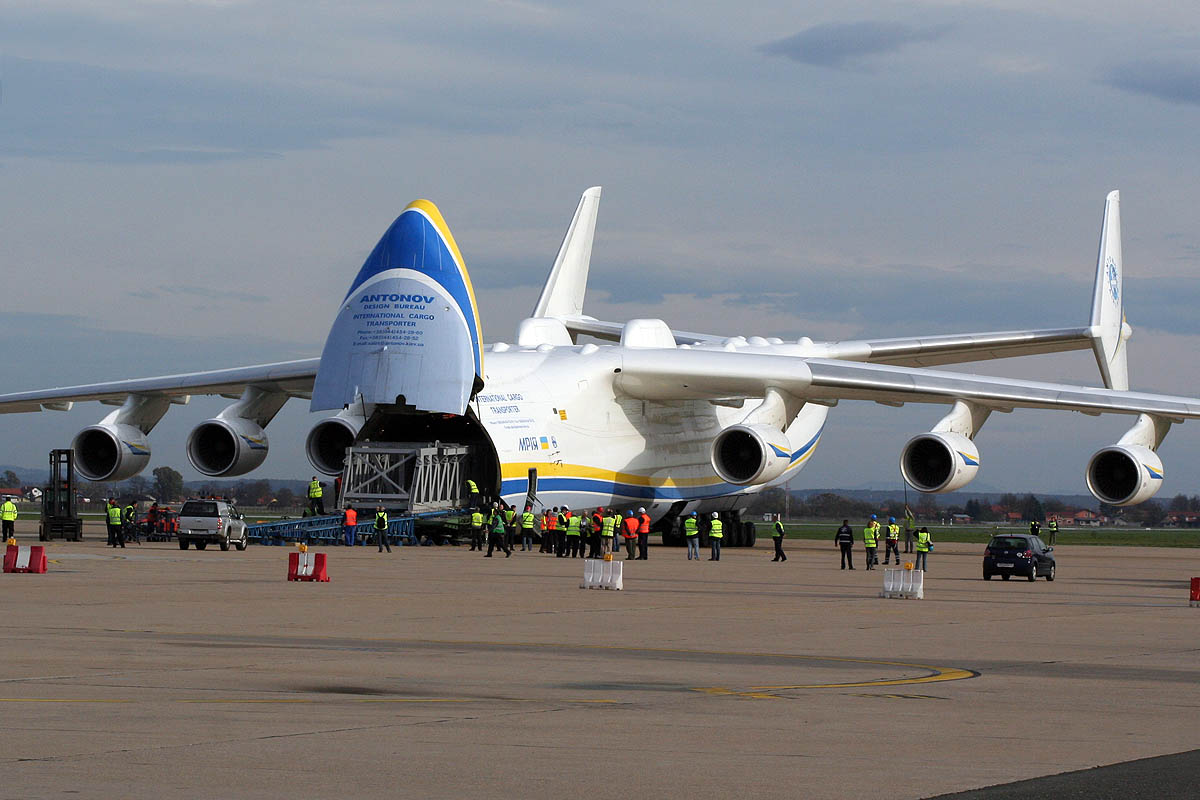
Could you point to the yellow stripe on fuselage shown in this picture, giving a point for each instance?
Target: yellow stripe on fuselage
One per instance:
(514, 470)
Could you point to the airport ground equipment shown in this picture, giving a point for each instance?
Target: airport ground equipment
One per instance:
(603, 574)
(211, 521)
(905, 584)
(328, 530)
(25, 559)
(1194, 601)
(60, 518)
(407, 477)
(304, 565)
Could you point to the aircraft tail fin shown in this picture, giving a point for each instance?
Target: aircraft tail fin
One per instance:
(1108, 327)
(562, 296)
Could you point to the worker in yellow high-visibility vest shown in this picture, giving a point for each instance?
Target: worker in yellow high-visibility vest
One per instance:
(113, 518)
(477, 530)
(608, 529)
(691, 533)
(871, 541)
(528, 520)
(8, 513)
(716, 532)
(924, 545)
(315, 494)
(892, 542)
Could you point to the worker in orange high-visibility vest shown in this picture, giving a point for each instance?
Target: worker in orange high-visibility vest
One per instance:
(643, 535)
(629, 527)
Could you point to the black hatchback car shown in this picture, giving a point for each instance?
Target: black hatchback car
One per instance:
(1023, 554)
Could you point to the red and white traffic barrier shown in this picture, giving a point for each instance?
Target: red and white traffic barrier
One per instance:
(306, 566)
(1194, 597)
(25, 559)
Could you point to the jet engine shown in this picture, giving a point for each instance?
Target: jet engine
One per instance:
(226, 447)
(1124, 475)
(750, 454)
(110, 452)
(327, 441)
(940, 461)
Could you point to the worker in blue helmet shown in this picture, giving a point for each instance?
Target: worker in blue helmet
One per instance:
(892, 541)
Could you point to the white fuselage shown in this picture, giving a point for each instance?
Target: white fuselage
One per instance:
(556, 410)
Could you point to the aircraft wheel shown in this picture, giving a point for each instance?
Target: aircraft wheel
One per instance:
(183, 543)
(748, 534)
(201, 545)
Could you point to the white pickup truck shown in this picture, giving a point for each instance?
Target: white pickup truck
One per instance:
(204, 521)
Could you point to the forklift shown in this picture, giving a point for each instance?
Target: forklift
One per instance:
(60, 519)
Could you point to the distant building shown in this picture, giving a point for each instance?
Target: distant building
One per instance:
(961, 519)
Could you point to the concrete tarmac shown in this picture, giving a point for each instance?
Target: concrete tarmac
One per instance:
(436, 673)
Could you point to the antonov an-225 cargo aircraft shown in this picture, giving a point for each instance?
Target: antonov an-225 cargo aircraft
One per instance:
(670, 420)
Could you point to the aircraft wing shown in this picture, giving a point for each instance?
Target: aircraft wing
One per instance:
(929, 351)
(290, 377)
(666, 374)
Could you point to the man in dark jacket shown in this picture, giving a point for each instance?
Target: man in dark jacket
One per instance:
(844, 538)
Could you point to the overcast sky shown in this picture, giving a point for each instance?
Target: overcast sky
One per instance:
(192, 185)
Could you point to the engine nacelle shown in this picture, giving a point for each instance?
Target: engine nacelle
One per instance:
(939, 461)
(1124, 475)
(750, 454)
(226, 447)
(327, 442)
(108, 452)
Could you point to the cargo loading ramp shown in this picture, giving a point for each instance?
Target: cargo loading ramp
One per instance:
(408, 477)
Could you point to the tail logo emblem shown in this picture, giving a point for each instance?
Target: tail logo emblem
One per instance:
(1111, 270)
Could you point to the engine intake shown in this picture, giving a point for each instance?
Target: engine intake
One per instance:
(225, 447)
(750, 454)
(939, 462)
(1124, 475)
(327, 442)
(108, 452)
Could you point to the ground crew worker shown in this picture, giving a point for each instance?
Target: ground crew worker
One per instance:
(472, 494)
(510, 526)
(572, 544)
(1035, 528)
(8, 514)
(499, 535)
(560, 535)
(1052, 527)
(543, 528)
(315, 493)
(844, 538)
(381, 529)
(691, 534)
(608, 529)
(528, 518)
(716, 532)
(643, 535)
(892, 543)
(871, 540)
(924, 544)
(629, 530)
(115, 535)
(350, 526)
(476, 529)
(594, 534)
(777, 537)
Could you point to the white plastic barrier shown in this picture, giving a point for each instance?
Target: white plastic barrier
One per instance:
(903, 583)
(599, 574)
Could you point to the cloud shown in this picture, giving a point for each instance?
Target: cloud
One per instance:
(841, 44)
(1173, 81)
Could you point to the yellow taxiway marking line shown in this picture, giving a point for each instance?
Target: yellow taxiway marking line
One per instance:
(301, 700)
(940, 674)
